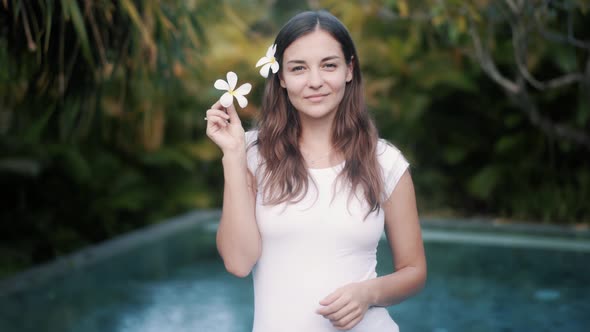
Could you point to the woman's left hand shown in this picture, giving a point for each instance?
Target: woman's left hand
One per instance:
(346, 306)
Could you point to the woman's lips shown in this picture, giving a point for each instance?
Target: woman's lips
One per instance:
(316, 98)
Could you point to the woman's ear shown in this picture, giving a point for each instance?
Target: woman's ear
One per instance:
(281, 80)
(349, 70)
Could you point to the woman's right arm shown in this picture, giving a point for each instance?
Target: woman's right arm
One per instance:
(238, 238)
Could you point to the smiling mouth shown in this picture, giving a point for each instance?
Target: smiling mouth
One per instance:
(317, 97)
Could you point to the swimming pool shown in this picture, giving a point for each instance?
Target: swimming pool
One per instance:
(170, 279)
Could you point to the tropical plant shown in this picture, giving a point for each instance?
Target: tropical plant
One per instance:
(96, 119)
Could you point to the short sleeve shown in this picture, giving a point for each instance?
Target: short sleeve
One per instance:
(393, 165)
(252, 157)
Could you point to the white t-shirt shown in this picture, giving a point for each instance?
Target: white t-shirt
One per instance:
(311, 248)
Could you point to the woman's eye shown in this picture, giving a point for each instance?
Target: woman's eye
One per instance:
(297, 68)
(330, 65)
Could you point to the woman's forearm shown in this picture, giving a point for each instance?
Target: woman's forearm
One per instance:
(238, 238)
(394, 288)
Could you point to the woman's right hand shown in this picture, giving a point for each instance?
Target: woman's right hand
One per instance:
(225, 129)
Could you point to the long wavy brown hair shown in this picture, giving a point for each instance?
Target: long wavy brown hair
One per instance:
(284, 174)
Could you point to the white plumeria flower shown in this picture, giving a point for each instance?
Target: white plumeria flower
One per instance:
(230, 86)
(268, 62)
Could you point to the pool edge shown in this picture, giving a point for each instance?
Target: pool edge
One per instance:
(100, 251)
(467, 231)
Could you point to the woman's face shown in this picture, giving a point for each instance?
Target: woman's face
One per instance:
(315, 73)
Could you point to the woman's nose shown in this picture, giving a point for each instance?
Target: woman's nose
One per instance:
(315, 79)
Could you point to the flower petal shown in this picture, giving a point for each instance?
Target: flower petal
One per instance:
(264, 70)
(275, 67)
(271, 51)
(232, 80)
(226, 100)
(242, 101)
(244, 89)
(221, 85)
(262, 61)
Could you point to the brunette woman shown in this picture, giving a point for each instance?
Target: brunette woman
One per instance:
(309, 192)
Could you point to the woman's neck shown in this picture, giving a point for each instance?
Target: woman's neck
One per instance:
(315, 144)
(316, 136)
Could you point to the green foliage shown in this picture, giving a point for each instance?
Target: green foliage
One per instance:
(474, 146)
(91, 104)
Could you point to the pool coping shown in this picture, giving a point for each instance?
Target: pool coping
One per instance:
(478, 231)
(101, 251)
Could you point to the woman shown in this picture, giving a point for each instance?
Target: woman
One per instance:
(308, 194)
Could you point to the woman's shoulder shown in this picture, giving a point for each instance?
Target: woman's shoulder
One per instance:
(252, 154)
(387, 152)
(251, 136)
(393, 163)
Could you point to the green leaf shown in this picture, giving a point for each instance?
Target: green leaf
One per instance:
(414, 106)
(454, 154)
(512, 120)
(72, 160)
(136, 19)
(48, 23)
(566, 59)
(482, 184)
(35, 130)
(168, 157)
(506, 144)
(133, 199)
(71, 11)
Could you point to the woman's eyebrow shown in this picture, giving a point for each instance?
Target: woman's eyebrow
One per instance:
(328, 58)
(332, 57)
(296, 61)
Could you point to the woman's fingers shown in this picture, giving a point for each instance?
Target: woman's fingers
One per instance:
(224, 128)
(216, 113)
(342, 312)
(345, 307)
(215, 122)
(233, 115)
(217, 105)
(346, 316)
(332, 304)
(352, 321)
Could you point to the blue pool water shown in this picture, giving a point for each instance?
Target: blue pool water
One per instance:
(177, 283)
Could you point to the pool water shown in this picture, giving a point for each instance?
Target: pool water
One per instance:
(178, 284)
